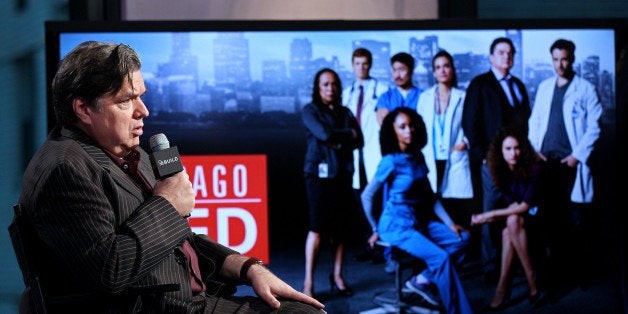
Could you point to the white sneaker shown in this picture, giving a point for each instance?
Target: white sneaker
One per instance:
(424, 290)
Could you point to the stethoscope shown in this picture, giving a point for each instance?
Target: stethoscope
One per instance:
(353, 89)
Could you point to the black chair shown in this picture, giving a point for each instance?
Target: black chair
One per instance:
(35, 299)
(400, 303)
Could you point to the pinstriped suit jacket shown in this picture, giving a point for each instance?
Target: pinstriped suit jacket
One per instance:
(100, 234)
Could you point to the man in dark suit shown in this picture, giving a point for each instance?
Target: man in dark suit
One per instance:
(495, 99)
(106, 224)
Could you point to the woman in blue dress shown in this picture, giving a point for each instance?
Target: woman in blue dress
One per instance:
(412, 219)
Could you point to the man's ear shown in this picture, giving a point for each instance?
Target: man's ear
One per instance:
(82, 110)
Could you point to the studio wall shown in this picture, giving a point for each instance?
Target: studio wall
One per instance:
(279, 9)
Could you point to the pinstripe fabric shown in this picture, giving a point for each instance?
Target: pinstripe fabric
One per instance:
(100, 233)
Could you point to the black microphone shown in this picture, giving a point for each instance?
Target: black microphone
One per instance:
(165, 160)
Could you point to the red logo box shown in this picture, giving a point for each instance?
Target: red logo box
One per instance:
(231, 201)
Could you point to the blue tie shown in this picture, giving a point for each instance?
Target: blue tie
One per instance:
(515, 99)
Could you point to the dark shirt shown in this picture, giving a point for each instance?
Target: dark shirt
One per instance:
(522, 190)
(556, 143)
(129, 165)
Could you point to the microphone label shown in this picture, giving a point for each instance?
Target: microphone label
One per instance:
(166, 162)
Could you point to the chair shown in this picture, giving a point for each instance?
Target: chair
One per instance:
(34, 298)
(404, 261)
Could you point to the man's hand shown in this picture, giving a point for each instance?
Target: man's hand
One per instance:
(460, 146)
(177, 190)
(269, 287)
(541, 156)
(570, 160)
(372, 239)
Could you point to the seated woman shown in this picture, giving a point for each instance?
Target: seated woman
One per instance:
(410, 218)
(514, 168)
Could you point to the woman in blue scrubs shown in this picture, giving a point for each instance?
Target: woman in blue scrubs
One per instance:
(412, 219)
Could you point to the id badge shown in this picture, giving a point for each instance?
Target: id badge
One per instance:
(442, 150)
(323, 170)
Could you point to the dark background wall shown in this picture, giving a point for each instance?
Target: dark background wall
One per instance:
(23, 92)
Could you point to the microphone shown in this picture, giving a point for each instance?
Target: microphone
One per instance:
(165, 160)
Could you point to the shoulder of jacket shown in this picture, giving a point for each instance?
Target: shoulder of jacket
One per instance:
(548, 81)
(70, 154)
(581, 81)
(487, 75)
(311, 106)
(481, 78)
(458, 91)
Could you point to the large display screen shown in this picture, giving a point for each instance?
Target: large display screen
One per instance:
(237, 88)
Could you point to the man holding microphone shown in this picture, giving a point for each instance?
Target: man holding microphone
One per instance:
(106, 224)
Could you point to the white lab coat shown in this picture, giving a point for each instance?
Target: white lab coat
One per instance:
(457, 176)
(368, 123)
(581, 113)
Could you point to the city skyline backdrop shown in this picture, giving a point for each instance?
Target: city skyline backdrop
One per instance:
(156, 47)
(191, 74)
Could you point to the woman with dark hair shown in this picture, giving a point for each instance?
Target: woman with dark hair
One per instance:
(412, 219)
(514, 167)
(332, 133)
(446, 153)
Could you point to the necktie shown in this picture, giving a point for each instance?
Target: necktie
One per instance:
(515, 100)
(360, 101)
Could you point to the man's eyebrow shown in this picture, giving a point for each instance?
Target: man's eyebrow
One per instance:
(123, 95)
(135, 92)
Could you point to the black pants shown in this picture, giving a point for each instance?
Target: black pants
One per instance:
(491, 233)
(565, 225)
(250, 304)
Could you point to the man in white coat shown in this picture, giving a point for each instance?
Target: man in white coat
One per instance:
(361, 97)
(563, 128)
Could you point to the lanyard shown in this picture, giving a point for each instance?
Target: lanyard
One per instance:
(439, 120)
